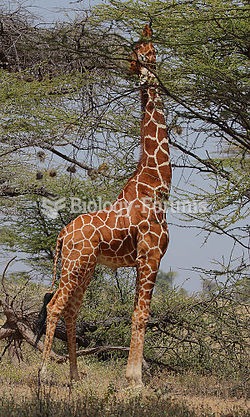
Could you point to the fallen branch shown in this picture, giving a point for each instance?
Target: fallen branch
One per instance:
(30, 337)
(6, 333)
(3, 276)
(96, 349)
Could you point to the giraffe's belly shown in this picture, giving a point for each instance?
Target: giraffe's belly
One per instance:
(116, 261)
(117, 252)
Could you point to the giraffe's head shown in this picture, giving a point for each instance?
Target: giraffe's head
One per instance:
(143, 57)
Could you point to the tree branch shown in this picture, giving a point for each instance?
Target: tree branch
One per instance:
(210, 164)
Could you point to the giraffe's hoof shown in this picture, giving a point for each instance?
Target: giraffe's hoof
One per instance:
(42, 376)
(134, 386)
(133, 390)
(137, 386)
(78, 376)
(74, 379)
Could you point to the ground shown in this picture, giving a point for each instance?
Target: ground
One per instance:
(102, 392)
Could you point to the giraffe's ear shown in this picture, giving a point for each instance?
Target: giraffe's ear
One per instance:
(134, 64)
(147, 31)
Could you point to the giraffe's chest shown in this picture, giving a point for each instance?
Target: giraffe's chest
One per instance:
(121, 229)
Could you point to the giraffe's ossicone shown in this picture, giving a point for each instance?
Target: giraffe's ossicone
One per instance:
(132, 232)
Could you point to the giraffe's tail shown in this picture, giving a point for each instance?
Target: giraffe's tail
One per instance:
(42, 316)
(56, 257)
(40, 325)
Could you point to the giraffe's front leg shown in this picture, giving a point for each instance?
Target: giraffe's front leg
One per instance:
(148, 265)
(134, 365)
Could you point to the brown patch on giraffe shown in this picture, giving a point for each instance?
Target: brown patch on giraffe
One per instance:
(162, 134)
(148, 174)
(151, 129)
(74, 255)
(78, 222)
(105, 233)
(97, 221)
(151, 163)
(87, 232)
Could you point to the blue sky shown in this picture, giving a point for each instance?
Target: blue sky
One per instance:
(186, 247)
(51, 10)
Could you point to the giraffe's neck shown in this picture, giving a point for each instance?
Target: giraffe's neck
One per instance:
(154, 164)
(153, 173)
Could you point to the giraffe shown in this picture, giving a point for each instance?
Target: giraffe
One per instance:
(131, 232)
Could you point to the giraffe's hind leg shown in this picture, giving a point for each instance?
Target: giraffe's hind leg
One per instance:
(56, 307)
(79, 255)
(54, 311)
(53, 314)
(70, 315)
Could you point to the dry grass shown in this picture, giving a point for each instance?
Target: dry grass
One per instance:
(102, 392)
